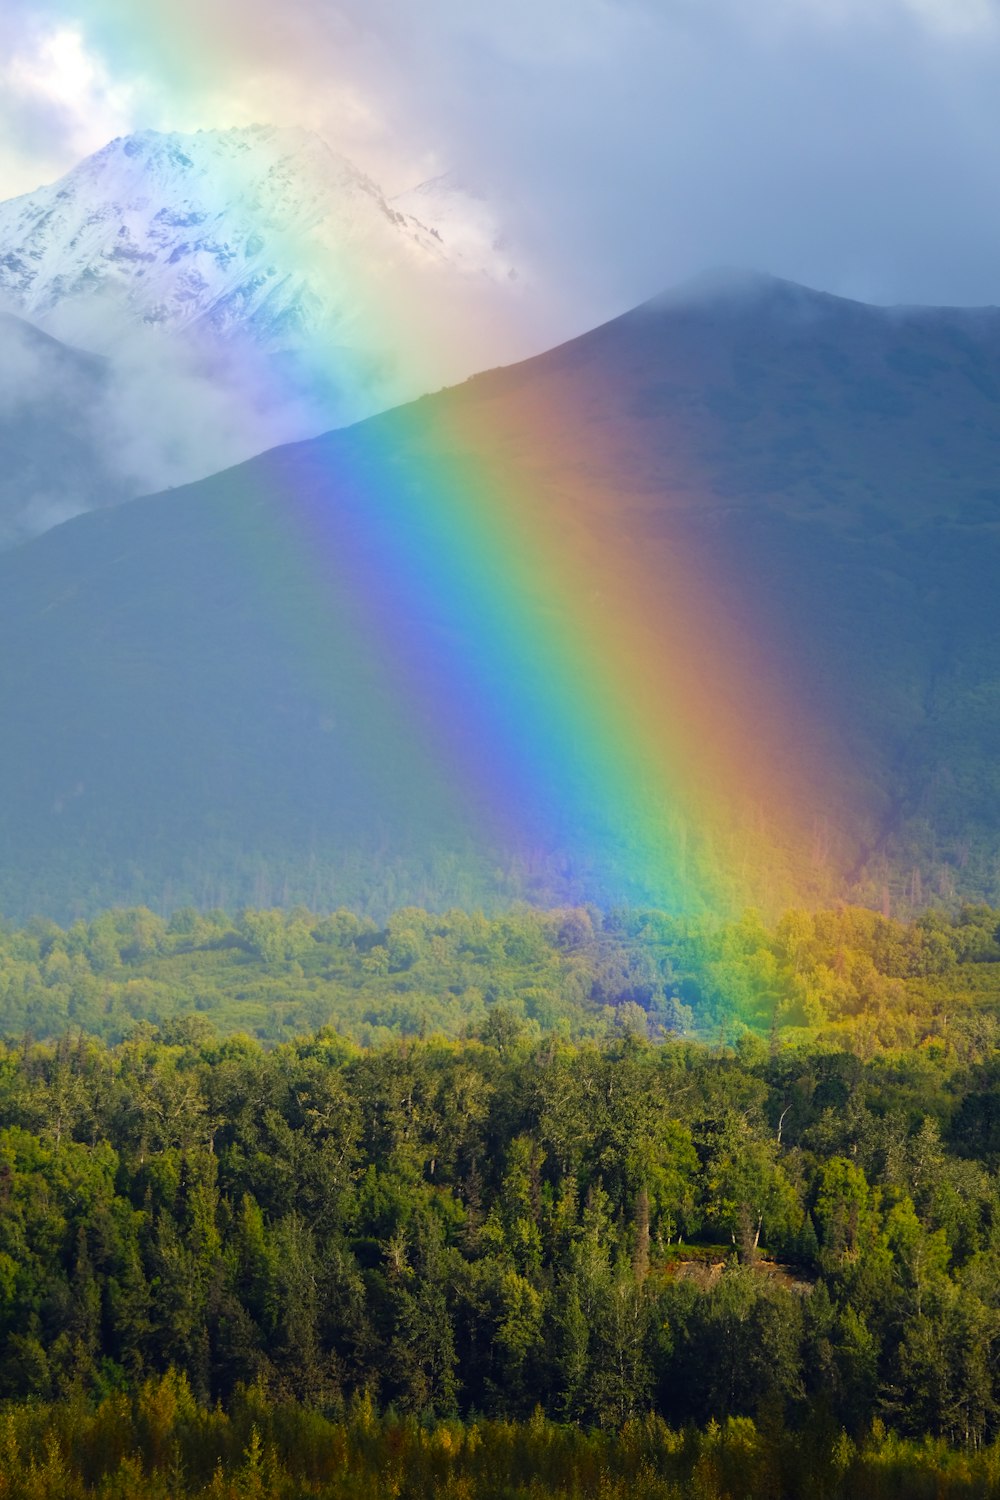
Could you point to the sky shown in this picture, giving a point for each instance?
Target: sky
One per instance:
(627, 144)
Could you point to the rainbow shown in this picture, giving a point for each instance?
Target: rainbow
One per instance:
(546, 689)
(535, 672)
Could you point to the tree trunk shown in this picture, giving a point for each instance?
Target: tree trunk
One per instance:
(640, 1257)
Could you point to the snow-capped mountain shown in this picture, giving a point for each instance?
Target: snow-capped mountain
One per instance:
(246, 288)
(258, 231)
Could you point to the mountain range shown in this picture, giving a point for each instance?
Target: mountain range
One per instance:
(189, 717)
(241, 288)
(261, 231)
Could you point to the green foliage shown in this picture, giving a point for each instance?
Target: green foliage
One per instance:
(159, 1444)
(602, 1228)
(273, 974)
(790, 1236)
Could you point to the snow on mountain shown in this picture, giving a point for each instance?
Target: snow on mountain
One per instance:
(247, 288)
(464, 223)
(260, 231)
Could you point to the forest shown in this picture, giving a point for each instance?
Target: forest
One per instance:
(578, 972)
(727, 1207)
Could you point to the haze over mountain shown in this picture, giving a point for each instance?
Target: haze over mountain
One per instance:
(192, 716)
(247, 287)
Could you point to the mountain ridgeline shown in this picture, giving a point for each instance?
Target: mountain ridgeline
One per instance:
(194, 713)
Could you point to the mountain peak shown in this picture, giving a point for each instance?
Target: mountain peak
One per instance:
(257, 270)
(739, 291)
(259, 230)
(191, 150)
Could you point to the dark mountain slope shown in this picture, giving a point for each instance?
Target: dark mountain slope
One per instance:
(194, 709)
(55, 447)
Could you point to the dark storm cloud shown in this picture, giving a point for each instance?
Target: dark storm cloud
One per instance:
(853, 147)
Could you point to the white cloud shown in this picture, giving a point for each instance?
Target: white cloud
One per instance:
(958, 18)
(59, 103)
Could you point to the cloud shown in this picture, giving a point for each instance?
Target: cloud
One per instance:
(78, 431)
(58, 102)
(630, 143)
(849, 145)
